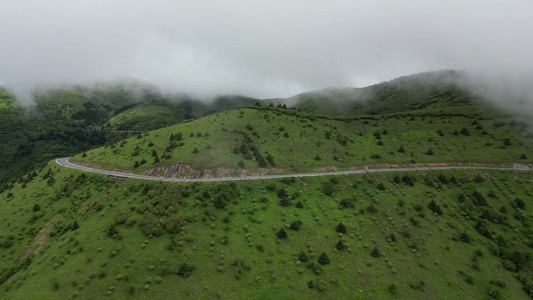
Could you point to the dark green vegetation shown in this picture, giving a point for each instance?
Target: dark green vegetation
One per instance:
(284, 139)
(431, 235)
(65, 121)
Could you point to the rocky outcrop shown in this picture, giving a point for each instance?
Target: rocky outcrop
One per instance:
(186, 171)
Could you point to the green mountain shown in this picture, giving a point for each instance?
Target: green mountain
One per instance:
(425, 90)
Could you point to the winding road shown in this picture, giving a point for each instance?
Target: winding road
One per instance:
(65, 163)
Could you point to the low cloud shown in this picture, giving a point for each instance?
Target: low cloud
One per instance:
(263, 49)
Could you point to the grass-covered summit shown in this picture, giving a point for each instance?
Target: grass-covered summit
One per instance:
(263, 139)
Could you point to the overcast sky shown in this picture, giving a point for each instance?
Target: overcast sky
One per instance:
(259, 48)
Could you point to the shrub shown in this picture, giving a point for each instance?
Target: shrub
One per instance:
(479, 199)
(401, 150)
(507, 142)
(518, 203)
(375, 253)
(302, 256)
(434, 207)
(281, 234)
(310, 284)
(284, 202)
(112, 230)
(464, 237)
(340, 245)
(195, 150)
(323, 259)
(346, 203)
(185, 270)
(341, 228)
(75, 225)
(36, 207)
(406, 179)
(392, 289)
(523, 156)
(295, 225)
(328, 188)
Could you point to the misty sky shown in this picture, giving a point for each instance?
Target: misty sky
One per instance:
(259, 48)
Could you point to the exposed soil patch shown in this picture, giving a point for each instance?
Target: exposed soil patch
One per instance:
(40, 238)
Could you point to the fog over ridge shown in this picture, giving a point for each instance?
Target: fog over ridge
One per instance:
(265, 49)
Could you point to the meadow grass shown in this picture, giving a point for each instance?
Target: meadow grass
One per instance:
(133, 238)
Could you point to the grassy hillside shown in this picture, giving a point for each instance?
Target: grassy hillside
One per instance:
(284, 140)
(69, 120)
(430, 89)
(431, 235)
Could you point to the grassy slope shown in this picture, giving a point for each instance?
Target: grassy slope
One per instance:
(294, 140)
(424, 262)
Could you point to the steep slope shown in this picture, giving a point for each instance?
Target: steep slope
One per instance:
(260, 140)
(433, 235)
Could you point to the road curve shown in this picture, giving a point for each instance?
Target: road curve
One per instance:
(65, 163)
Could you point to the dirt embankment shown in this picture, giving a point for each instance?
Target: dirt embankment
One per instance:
(187, 171)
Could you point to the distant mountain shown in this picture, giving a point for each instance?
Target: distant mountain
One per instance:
(431, 89)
